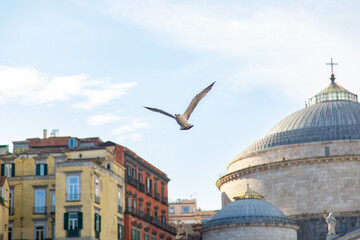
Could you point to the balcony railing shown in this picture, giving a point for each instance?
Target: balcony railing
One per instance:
(132, 181)
(150, 219)
(11, 211)
(73, 197)
(39, 209)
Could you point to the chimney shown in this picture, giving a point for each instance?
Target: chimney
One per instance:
(44, 133)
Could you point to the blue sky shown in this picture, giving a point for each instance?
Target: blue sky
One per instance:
(88, 67)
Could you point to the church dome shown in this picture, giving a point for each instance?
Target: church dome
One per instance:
(249, 208)
(333, 114)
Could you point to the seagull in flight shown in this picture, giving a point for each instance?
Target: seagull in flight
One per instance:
(182, 119)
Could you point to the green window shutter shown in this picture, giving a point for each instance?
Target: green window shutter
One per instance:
(13, 170)
(66, 221)
(37, 169)
(45, 169)
(118, 231)
(99, 223)
(95, 218)
(80, 219)
(122, 232)
(2, 169)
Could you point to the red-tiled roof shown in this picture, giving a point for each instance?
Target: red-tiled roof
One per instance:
(48, 142)
(2, 180)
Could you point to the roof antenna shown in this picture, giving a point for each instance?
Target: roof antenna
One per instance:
(332, 78)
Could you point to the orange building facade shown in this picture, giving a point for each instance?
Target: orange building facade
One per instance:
(146, 215)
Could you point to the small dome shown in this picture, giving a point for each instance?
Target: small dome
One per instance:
(249, 208)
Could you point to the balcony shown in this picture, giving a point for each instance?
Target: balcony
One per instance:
(150, 219)
(132, 181)
(39, 210)
(73, 197)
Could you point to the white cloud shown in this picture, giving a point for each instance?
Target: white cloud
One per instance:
(288, 43)
(98, 120)
(129, 130)
(30, 86)
(130, 127)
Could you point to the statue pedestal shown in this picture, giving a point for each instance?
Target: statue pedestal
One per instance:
(331, 237)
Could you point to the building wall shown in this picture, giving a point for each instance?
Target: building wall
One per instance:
(136, 190)
(4, 211)
(23, 184)
(232, 232)
(107, 208)
(296, 151)
(306, 186)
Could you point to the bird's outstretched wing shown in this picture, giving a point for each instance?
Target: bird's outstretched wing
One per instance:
(196, 100)
(160, 111)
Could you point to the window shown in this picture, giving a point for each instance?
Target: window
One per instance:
(10, 235)
(73, 223)
(185, 209)
(148, 185)
(140, 208)
(134, 172)
(163, 219)
(97, 225)
(171, 209)
(120, 232)
(8, 169)
(140, 178)
(52, 200)
(134, 205)
(39, 200)
(153, 238)
(41, 169)
(162, 192)
(39, 232)
(135, 234)
(155, 188)
(72, 188)
(327, 152)
(97, 189)
(146, 236)
(11, 202)
(119, 199)
(128, 170)
(129, 203)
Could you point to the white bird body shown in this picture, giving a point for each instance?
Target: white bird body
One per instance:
(182, 119)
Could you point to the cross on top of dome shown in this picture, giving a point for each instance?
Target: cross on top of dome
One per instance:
(332, 78)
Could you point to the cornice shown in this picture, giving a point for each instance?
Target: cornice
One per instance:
(283, 164)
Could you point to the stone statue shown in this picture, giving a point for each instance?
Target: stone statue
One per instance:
(331, 222)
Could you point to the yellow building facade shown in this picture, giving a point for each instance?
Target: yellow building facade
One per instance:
(4, 208)
(64, 193)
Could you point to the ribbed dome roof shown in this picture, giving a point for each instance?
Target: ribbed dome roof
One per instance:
(248, 210)
(334, 115)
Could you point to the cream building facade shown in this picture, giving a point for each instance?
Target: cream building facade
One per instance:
(64, 187)
(4, 208)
